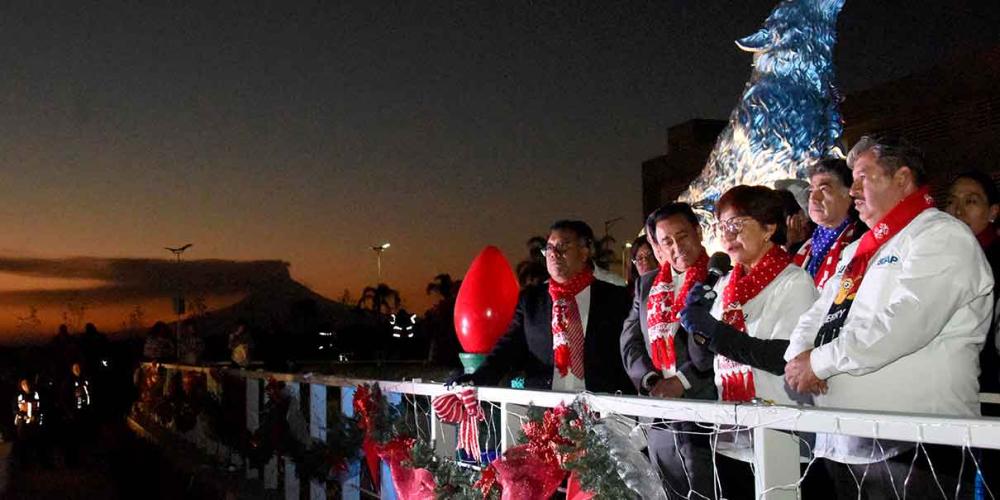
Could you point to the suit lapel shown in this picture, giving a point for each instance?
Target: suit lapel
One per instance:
(546, 315)
(590, 337)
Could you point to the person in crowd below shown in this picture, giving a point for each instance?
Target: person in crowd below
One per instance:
(643, 258)
(660, 357)
(159, 345)
(241, 344)
(28, 419)
(63, 349)
(832, 210)
(94, 348)
(794, 195)
(74, 405)
(564, 334)
(190, 345)
(761, 300)
(974, 199)
(923, 292)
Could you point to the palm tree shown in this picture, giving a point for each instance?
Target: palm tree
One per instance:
(439, 324)
(443, 286)
(604, 252)
(380, 299)
(532, 269)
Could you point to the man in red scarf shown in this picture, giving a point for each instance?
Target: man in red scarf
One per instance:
(660, 356)
(837, 224)
(564, 334)
(898, 327)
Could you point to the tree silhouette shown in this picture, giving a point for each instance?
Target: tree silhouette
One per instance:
(439, 323)
(604, 252)
(197, 306)
(29, 324)
(76, 312)
(136, 319)
(444, 286)
(381, 299)
(532, 270)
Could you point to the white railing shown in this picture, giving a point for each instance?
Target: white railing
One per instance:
(776, 453)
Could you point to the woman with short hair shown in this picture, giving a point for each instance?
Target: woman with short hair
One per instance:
(758, 305)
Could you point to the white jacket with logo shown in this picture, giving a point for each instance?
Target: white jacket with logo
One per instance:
(912, 337)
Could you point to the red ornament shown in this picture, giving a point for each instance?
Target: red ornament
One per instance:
(574, 491)
(410, 483)
(486, 301)
(524, 475)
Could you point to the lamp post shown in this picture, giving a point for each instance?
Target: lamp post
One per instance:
(625, 259)
(179, 299)
(378, 249)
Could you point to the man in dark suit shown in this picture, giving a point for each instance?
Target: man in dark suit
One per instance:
(661, 358)
(565, 332)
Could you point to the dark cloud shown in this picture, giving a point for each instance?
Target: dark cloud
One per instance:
(131, 279)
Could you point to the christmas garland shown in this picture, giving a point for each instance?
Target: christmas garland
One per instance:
(588, 457)
(317, 460)
(555, 442)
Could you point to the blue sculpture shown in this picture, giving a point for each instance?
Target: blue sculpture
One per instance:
(788, 116)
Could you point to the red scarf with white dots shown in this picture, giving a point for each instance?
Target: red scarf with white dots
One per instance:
(736, 379)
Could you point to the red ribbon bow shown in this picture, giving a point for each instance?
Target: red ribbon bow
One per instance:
(462, 408)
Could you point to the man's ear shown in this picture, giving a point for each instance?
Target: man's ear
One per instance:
(904, 177)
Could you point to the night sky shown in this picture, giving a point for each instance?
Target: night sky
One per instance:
(309, 131)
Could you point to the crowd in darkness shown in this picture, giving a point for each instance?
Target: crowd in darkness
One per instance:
(854, 290)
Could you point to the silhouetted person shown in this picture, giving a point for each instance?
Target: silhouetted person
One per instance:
(241, 344)
(94, 348)
(74, 405)
(28, 419)
(62, 351)
(159, 344)
(190, 345)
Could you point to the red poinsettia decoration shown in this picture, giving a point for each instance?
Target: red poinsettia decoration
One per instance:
(365, 409)
(487, 481)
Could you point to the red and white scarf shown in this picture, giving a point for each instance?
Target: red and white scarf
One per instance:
(567, 327)
(662, 309)
(734, 379)
(893, 222)
(830, 259)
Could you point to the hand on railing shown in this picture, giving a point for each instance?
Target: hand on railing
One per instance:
(458, 378)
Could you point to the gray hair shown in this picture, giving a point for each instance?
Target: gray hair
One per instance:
(892, 152)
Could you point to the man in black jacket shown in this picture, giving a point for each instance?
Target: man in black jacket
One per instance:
(565, 332)
(661, 358)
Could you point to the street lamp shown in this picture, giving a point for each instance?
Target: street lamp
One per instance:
(378, 251)
(179, 299)
(625, 259)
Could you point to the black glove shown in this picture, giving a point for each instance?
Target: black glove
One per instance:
(458, 377)
(701, 295)
(695, 317)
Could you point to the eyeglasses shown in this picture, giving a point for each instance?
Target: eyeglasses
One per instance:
(732, 226)
(642, 257)
(557, 250)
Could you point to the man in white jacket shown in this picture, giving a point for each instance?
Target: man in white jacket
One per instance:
(902, 327)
